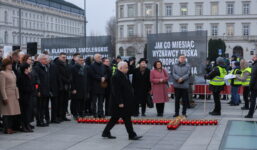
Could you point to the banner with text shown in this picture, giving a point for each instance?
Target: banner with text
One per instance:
(86, 46)
(167, 47)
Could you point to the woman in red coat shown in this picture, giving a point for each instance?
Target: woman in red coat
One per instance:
(159, 79)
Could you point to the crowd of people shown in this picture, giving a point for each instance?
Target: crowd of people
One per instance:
(45, 91)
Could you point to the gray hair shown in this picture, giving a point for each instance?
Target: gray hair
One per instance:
(122, 64)
(97, 55)
(220, 61)
(41, 56)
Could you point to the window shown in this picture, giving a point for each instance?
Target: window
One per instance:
(214, 29)
(121, 31)
(148, 10)
(168, 28)
(198, 27)
(121, 11)
(246, 28)
(5, 17)
(130, 30)
(131, 10)
(6, 37)
(198, 9)
(230, 29)
(168, 10)
(230, 8)
(246, 8)
(148, 29)
(183, 9)
(183, 27)
(121, 51)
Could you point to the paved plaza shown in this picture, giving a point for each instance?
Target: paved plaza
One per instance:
(74, 136)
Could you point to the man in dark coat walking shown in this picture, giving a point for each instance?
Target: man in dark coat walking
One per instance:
(122, 103)
(98, 75)
(141, 84)
(253, 88)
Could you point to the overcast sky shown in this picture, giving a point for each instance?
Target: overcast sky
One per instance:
(98, 13)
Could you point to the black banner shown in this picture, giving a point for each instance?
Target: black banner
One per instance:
(86, 46)
(168, 46)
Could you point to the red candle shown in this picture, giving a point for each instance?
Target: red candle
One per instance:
(206, 122)
(215, 122)
(211, 122)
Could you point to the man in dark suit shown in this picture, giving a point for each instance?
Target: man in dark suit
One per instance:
(122, 103)
(99, 76)
(42, 71)
(78, 88)
(64, 76)
(253, 88)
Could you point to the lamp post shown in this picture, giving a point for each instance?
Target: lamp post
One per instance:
(19, 23)
(85, 18)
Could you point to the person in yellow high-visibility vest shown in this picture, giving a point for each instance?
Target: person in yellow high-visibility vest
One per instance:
(245, 78)
(235, 84)
(217, 83)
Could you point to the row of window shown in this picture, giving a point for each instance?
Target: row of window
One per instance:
(148, 29)
(39, 25)
(149, 9)
(49, 19)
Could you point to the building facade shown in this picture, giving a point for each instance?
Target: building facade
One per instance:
(36, 19)
(233, 21)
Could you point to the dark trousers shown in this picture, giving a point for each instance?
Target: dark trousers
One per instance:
(77, 107)
(54, 108)
(246, 92)
(42, 109)
(46, 110)
(128, 125)
(97, 99)
(107, 99)
(217, 107)
(235, 97)
(26, 109)
(160, 108)
(181, 93)
(88, 101)
(141, 103)
(8, 122)
(63, 104)
(253, 102)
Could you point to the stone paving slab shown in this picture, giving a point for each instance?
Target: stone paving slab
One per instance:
(74, 136)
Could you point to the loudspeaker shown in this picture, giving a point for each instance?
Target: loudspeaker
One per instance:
(15, 47)
(32, 48)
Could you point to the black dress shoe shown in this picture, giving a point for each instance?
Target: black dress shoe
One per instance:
(160, 115)
(109, 136)
(41, 125)
(31, 126)
(55, 121)
(244, 108)
(135, 138)
(66, 119)
(215, 113)
(176, 115)
(248, 116)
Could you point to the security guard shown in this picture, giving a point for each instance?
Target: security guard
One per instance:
(245, 78)
(114, 65)
(235, 84)
(217, 83)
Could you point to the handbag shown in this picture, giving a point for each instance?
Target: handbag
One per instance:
(149, 101)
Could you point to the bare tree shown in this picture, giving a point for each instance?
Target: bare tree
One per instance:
(111, 30)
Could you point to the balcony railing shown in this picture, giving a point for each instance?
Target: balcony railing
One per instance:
(235, 38)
